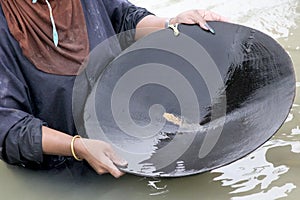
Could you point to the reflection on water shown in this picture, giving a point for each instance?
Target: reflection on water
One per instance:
(157, 190)
(271, 172)
(256, 171)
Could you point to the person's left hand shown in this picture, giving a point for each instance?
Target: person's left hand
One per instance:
(197, 17)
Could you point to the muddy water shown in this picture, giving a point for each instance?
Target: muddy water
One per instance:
(271, 172)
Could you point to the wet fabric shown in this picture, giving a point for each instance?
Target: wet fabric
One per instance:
(30, 97)
(30, 25)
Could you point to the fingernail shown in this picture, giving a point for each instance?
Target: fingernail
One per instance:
(123, 163)
(209, 28)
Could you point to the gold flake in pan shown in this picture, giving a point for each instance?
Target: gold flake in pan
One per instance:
(173, 119)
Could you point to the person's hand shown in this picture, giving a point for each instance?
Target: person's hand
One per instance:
(197, 17)
(100, 155)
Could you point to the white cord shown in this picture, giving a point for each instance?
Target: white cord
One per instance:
(54, 30)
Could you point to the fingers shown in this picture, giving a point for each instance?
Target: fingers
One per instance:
(211, 16)
(202, 16)
(200, 19)
(104, 165)
(101, 170)
(113, 161)
(101, 156)
(117, 160)
(111, 168)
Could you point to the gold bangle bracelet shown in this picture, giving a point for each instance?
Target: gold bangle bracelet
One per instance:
(72, 147)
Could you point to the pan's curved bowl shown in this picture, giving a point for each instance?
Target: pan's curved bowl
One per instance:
(195, 102)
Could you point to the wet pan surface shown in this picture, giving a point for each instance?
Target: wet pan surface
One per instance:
(181, 105)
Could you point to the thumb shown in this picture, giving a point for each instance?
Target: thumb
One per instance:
(117, 160)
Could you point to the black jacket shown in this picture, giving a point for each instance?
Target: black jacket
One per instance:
(30, 98)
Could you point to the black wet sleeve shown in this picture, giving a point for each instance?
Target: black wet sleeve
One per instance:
(124, 17)
(20, 132)
(23, 143)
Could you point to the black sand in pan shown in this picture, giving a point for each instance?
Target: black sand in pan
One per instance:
(181, 105)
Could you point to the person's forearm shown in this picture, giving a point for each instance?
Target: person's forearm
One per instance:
(148, 25)
(98, 154)
(57, 143)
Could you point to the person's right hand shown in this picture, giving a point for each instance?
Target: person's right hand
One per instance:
(198, 16)
(100, 155)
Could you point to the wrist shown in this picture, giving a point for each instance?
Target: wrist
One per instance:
(79, 148)
(172, 20)
(169, 22)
